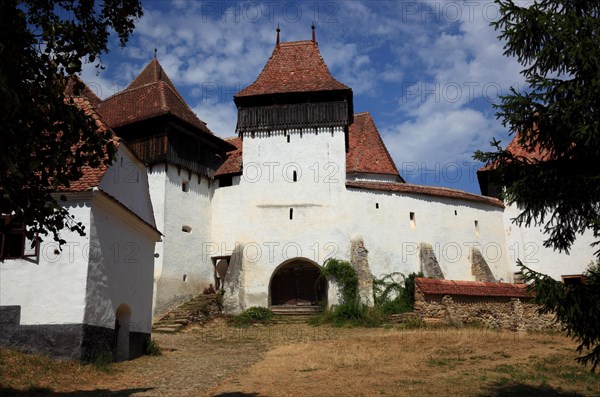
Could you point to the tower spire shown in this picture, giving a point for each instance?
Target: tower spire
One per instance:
(155, 52)
(314, 37)
(278, 30)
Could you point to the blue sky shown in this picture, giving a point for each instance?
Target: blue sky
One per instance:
(428, 71)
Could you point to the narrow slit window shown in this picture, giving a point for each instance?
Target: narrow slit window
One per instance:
(413, 221)
(291, 213)
(185, 187)
(455, 212)
(376, 205)
(295, 176)
(288, 139)
(477, 228)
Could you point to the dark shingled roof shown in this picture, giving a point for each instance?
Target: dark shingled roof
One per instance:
(367, 152)
(151, 94)
(293, 67)
(425, 190)
(429, 286)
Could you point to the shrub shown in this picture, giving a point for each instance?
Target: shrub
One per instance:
(254, 314)
(152, 348)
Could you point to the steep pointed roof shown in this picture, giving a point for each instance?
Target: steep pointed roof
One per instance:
(151, 94)
(85, 91)
(293, 67)
(367, 152)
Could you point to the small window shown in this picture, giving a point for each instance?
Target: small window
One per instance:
(455, 213)
(185, 187)
(376, 205)
(477, 228)
(574, 280)
(288, 139)
(291, 213)
(14, 244)
(186, 228)
(184, 278)
(295, 176)
(413, 221)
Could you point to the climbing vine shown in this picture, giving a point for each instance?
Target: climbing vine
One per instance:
(346, 276)
(395, 292)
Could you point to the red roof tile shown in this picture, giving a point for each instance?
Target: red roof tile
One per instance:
(85, 92)
(91, 176)
(425, 190)
(429, 286)
(515, 148)
(150, 95)
(367, 152)
(293, 67)
(233, 163)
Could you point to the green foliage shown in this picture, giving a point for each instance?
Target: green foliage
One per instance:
(555, 117)
(577, 307)
(389, 295)
(45, 139)
(395, 296)
(254, 314)
(346, 276)
(152, 348)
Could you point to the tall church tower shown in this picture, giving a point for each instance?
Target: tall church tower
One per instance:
(182, 155)
(294, 122)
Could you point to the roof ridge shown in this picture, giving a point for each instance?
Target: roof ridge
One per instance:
(186, 105)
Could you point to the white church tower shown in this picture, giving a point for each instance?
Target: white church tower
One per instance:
(182, 155)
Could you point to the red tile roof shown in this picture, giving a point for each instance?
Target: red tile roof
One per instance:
(367, 152)
(429, 286)
(151, 94)
(293, 67)
(91, 176)
(86, 91)
(517, 150)
(233, 163)
(434, 191)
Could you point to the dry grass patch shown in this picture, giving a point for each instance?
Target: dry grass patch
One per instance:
(38, 374)
(369, 362)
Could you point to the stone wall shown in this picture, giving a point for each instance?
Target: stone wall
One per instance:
(493, 312)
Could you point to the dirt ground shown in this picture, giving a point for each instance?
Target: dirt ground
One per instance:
(300, 360)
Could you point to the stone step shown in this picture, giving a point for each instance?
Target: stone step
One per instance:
(168, 328)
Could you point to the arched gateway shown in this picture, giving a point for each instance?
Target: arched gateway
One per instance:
(296, 283)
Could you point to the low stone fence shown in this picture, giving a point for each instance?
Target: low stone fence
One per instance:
(494, 305)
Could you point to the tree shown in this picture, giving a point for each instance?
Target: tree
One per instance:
(557, 119)
(46, 140)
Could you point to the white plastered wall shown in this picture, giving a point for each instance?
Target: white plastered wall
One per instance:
(120, 267)
(181, 272)
(51, 289)
(526, 244)
(326, 217)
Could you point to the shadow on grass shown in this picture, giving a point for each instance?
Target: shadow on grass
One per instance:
(520, 389)
(40, 391)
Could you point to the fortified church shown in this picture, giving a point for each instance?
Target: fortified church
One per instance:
(304, 179)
